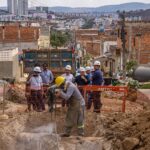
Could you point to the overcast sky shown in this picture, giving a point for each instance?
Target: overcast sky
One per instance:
(76, 3)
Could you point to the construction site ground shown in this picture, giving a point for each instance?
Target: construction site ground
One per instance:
(109, 130)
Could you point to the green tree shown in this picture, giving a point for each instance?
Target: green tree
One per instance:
(88, 24)
(59, 39)
(130, 66)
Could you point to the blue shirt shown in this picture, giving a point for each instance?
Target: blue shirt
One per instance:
(97, 77)
(35, 82)
(81, 81)
(89, 75)
(47, 76)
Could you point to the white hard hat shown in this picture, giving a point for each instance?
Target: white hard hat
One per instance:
(97, 63)
(88, 68)
(37, 69)
(68, 67)
(92, 68)
(82, 69)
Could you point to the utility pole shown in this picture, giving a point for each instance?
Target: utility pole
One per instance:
(123, 39)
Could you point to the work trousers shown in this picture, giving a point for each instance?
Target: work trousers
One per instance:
(74, 116)
(95, 97)
(37, 100)
(30, 103)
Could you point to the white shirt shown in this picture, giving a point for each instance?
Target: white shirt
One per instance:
(69, 77)
(36, 82)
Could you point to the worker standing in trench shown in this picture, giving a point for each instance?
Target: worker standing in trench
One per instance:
(75, 113)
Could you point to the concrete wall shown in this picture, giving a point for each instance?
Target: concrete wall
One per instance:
(20, 45)
(9, 64)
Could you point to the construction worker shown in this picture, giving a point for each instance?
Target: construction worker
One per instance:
(75, 112)
(89, 94)
(97, 79)
(82, 79)
(47, 78)
(27, 90)
(36, 90)
(47, 75)
(88, 72)
(67, 75)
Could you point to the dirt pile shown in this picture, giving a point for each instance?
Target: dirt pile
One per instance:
(125, 131)
(17, 94)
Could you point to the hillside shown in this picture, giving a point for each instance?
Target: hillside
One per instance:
(107, 8)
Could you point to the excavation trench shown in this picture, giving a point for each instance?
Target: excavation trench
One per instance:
(37, 131)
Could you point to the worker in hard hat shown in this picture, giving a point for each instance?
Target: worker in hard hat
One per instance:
(67, 75)
(88, 72)
(89, 94)
(36, 89)
(97, 79)
(75, 112)
(27, 89)
(82, 79)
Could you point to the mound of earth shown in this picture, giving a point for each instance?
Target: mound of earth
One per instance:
(125, 131)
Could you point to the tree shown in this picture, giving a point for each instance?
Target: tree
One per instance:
(59, 39)
(130, 66)
(88, 24)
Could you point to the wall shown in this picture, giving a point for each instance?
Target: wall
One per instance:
(92, 40)
(137, 41)
(9, 63)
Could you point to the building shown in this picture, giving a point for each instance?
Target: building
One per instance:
(18, 7)
(14, 38)
(42, 9)
(12, 6)
(137, 41)
(19, 36)
(93, 40)
(44, 37)
(22, 7)
(9, 63)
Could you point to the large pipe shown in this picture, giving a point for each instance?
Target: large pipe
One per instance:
(142, 73)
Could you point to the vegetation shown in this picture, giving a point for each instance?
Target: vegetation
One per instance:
(145, 86)
(59, 39)
(133, 84)
(88, 24)
(130, 66)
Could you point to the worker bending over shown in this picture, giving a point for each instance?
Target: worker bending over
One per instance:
(76, 105)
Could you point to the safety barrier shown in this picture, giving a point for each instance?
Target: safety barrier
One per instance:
(94, 88)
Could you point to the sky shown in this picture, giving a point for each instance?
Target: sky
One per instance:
(76, 3)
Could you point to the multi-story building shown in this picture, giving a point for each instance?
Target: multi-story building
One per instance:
(18, 7)
(12, 6)
(22, 7)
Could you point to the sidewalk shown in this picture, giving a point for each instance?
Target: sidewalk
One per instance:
(144, 95)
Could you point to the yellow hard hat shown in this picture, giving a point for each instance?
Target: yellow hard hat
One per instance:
(59, 80)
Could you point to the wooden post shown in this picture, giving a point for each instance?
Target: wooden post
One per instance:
(3, 98)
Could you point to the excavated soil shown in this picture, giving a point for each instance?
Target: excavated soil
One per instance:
(110, 130)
